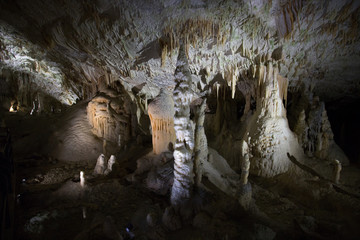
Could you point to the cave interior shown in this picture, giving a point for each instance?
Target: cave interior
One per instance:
(179, 119)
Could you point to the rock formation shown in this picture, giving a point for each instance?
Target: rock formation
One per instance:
(184, 131)
(110, 117)
(110, 164)
(245, 193)
(268, 85)
(82, 179)
(270, 134)
(337, 170)
(161, 113)
(201, 146)
(314, 129)
(100, 165)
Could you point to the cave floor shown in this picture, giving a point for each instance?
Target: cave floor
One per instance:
(51, 204)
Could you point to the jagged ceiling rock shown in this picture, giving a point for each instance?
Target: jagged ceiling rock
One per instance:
(137, 41)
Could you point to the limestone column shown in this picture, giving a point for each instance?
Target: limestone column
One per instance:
(184, 130)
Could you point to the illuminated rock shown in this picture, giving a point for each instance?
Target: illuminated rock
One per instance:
(245, 191)
(271, 137)
(337, 170)
(161, 113)
(110, 117)
(184, 129)
(82, 179)
(201, 147)
(110, 164)
(100, 165)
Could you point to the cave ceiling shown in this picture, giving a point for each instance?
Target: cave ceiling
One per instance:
(70, 45)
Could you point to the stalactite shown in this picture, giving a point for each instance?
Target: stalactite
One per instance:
(231, 75)
(268, 92)
(286, 16)
(194, 32)
(283, 88)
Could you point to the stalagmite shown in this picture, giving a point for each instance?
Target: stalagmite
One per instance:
(300, 127)
(84, 212)
(82, 179)
(201, 147)
(337, 170)
(184, 130)
(269, 130)
(100, 165)
(245, 187)
(110, 164)
(161, 113)
(245, 165)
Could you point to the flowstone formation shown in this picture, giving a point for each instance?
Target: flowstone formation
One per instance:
(111, 117)
(161, 112)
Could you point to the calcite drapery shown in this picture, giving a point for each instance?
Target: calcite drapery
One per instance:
(161, 113)
(110, 117)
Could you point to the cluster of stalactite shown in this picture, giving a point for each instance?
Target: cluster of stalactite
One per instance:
(192, 32)
(287, 15)
(107, 80)
(269, 95)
